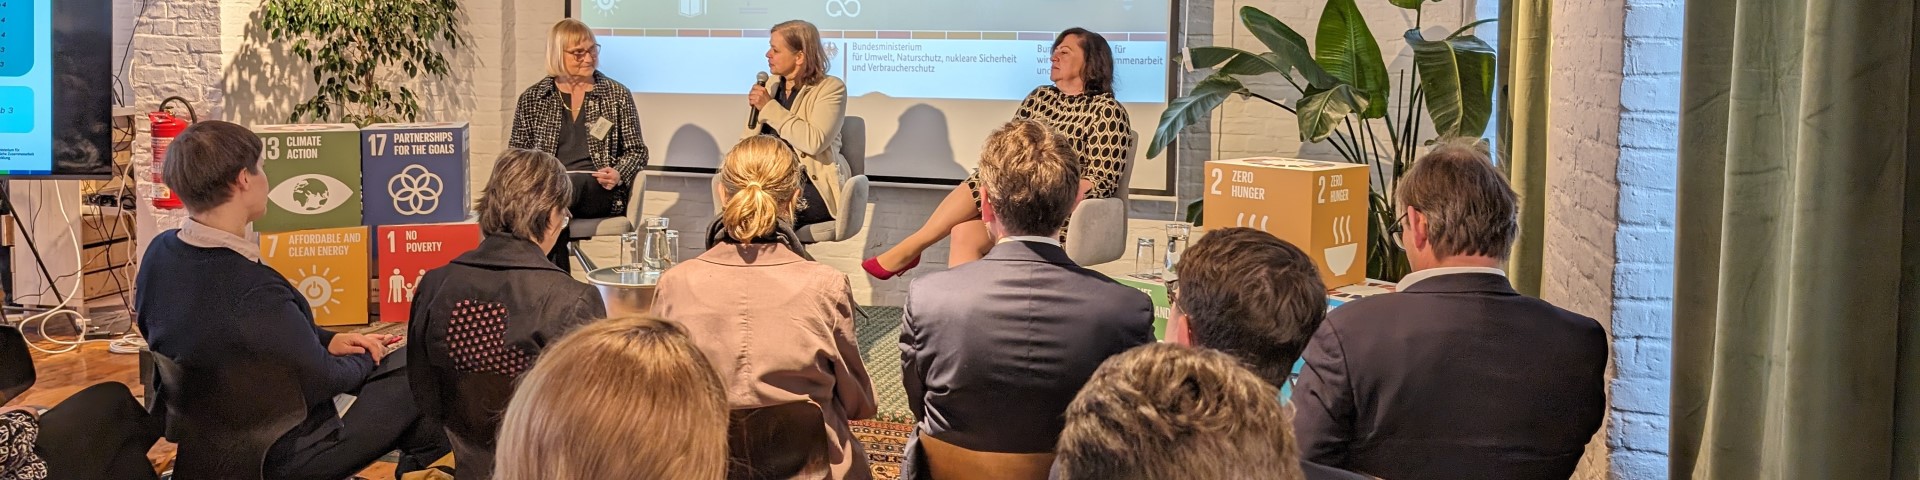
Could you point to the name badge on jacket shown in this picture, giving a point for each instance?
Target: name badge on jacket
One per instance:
(600, 128)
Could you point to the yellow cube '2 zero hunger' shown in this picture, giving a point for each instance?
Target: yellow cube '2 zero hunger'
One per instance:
(1318, 206)
(327, 266)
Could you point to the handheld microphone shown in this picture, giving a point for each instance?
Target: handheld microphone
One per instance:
(753, 114)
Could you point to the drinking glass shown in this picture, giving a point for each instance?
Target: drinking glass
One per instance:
(1143, 264)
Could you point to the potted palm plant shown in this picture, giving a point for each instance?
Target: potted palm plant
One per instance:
(1344, 92)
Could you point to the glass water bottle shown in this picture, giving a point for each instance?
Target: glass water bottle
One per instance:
(655, 242)
(1176, 243)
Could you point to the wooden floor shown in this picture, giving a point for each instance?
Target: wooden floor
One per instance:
(64, 374)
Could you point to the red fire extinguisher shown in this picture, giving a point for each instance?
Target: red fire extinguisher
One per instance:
(166, 126)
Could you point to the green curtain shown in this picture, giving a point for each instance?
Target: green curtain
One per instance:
(1795, 304)
(1525, 64)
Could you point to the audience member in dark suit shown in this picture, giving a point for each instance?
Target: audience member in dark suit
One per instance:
(1165, 411)
(206, 301)
(480, 321)
(992, 351)
(1455, 376)
(1253, 296)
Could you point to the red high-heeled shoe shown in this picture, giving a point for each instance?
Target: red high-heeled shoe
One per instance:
(873, 268)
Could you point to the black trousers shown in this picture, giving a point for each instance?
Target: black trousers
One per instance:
(590, 200)
(382, 419)
(99, 433)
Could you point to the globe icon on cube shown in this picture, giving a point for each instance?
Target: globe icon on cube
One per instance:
(312, 194)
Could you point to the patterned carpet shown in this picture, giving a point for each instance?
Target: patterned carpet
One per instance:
(885, 436)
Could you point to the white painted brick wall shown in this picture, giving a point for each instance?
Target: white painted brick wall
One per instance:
(176, 47)
(1643, 278)
(1582, 192)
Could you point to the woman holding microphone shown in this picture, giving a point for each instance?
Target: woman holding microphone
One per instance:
(586, 120)
(803, 106)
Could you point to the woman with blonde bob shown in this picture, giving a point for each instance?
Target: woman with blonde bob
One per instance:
(777, 326)
(585, 119)
(625, 398)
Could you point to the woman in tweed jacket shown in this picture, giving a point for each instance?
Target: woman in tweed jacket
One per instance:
(586, 120)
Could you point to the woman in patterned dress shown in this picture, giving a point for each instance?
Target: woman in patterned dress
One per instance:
(1080, 105)
(586, 120)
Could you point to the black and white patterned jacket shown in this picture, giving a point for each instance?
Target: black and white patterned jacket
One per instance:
(542, 110)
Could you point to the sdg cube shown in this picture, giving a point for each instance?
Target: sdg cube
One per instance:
(1318, 206)
(313, 173)
(327, 266)
(407, 252)
(414, 173)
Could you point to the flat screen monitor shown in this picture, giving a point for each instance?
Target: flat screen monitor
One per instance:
(55, 97)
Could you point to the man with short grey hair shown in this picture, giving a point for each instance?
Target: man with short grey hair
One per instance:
(1456, 375)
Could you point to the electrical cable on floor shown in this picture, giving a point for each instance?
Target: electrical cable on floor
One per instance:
(80, 322)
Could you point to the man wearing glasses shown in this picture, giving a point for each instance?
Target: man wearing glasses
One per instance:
(1456, 375)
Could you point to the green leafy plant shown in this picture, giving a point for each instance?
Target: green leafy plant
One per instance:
(364, 52)
(1344, 88)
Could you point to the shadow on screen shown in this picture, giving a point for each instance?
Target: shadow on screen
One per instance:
(920, 147)
(691, 146)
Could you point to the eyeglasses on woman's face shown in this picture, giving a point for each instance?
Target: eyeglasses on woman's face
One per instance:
(585, 52)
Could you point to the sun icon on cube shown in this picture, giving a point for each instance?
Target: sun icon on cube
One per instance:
(319, 289)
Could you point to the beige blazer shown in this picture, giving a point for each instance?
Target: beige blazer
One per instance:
(812, 126)
(778, 329)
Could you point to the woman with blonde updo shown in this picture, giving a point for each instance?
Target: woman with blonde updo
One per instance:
(626, 398)
(777, 326)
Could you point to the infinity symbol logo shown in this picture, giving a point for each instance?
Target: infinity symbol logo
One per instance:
(843, 8)
(415, 190)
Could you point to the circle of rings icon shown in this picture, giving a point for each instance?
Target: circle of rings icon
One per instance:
(415, 191)
(843, 8)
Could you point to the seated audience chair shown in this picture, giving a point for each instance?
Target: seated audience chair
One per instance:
(585, 228)
(853, 194)
(16, 364)
(218, 437)
(777, 442)
(1097, 231)
(946, 461)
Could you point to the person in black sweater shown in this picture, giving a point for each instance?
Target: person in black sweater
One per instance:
(206, 302)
